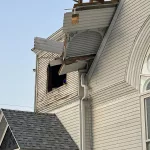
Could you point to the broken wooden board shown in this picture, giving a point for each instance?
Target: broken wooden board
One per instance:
(72, 67)
(48, 45)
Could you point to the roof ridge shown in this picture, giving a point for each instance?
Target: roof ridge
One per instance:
(2, 109)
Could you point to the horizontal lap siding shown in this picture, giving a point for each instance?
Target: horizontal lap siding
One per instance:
(112, 64)
(117, 125)
(70, 118)
(46, 100)
(115, 104)
(89, 19)
(110, 94)
(58, 97)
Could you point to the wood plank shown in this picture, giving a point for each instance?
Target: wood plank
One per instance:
(56, 62)
(72, 67)
(48, 45)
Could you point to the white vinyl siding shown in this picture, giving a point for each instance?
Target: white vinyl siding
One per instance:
(112, 64)
(58, 97)
(70, 118)
(89, 19)
(117, 125)
(115, 103)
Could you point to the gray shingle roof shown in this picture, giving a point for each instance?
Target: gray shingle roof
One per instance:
(38, 131)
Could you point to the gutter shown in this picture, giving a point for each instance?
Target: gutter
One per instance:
(82, 112)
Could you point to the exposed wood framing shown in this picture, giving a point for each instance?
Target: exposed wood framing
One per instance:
(56, 62)
(79, 58)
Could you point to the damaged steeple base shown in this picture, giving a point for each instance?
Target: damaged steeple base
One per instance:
(84, 29)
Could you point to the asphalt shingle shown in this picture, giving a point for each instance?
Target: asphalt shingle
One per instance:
(38, 131)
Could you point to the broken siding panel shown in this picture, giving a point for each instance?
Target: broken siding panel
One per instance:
(84, 43)
(48, 45)
(116, 105)
(57, 36)
(89, 19)
(58, 97)
(52, 104)
(117, 123)
(109, 95)
(59, 94)
(118, 47)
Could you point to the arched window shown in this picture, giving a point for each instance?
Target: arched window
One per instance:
(148, 86)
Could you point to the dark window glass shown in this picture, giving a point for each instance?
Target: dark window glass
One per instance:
(148, 86)
(147, 100)
(54, 80)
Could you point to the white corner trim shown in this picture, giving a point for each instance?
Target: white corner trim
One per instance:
(103, 44)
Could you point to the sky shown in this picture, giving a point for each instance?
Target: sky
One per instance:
(20, 22)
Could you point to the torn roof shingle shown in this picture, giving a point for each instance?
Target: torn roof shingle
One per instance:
(38, 131)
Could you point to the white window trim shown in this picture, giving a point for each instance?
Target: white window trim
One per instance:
(144, 119)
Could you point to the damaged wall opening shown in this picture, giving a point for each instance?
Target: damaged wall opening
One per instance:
(54, 80)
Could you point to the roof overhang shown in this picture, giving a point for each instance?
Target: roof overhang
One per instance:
(81, 39)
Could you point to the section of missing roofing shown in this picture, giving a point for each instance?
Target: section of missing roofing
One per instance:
(38, 131)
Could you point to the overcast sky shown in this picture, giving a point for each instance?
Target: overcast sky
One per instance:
(20, 22)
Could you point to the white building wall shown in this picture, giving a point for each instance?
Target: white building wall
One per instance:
(116, 122)
(69, 116)
(116, 116)
(112, 64)
(117, 125)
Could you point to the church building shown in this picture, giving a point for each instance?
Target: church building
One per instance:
(92, 83)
